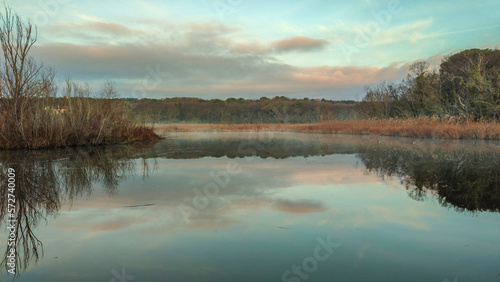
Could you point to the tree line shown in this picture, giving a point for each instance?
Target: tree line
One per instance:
(465, 86)
(233, 110)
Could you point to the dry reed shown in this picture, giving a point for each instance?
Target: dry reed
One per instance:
(416, 127)
(76, 121)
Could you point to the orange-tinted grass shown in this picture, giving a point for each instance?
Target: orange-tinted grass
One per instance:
(417, 127)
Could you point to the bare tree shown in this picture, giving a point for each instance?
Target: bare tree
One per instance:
(108, 90)
(31, 114)
(22, 79)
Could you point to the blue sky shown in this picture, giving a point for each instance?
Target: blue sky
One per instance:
(249, 49)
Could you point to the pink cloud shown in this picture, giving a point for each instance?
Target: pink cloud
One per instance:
(299, 43)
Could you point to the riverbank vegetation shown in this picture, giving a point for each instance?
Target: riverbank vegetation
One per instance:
(31, 115)
(466, 86)
(412, 127)
(458, 99)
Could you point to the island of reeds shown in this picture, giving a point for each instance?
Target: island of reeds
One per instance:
(37, 112)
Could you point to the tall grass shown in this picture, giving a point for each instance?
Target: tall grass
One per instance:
(30, 114)
(77, 119)
(421, 127)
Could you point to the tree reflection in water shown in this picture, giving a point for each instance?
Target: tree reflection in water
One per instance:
(46, 179)
(460, 174)
(464, 177)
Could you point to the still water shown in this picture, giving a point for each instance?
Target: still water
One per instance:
(256, 207)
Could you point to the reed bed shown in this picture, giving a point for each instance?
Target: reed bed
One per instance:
(76, 121)
(416, 127)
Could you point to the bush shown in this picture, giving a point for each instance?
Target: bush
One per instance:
(32, 116)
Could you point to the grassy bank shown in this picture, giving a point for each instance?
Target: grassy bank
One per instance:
(43, 122)
(417, 127)
(34, 114)
(81, 121)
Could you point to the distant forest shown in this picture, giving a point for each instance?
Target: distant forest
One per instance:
(263, 110)
(466, 86)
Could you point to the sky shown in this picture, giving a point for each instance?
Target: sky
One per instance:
(250, 49)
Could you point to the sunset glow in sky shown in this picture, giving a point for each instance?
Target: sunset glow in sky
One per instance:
(250, 49)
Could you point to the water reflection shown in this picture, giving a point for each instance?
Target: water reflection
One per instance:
(45, 179)
(460, 175)
(463, 175)
(467, 180)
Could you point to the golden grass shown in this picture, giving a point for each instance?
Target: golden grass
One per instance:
(84, 121)
(416, 127)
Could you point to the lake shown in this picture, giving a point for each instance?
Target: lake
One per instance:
(256, 207)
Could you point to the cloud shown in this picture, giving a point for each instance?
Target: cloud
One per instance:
(252, 48)
(202, 60)
(299, 43)
(290, 44)
(412, 32)
(204, 70)
(103, 27)
(210, 28)
(92, 32)
(341, 32)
